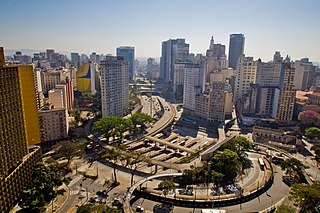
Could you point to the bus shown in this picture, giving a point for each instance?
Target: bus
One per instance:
(261, 163)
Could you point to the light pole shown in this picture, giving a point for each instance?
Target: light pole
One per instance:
(209, 168)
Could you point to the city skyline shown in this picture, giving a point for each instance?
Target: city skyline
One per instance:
(101, 26)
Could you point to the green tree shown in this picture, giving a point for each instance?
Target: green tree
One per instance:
(113, 156)
(316, 149)
(285, 209)
(76, 113)
(44, 179)
(166, 186)
(140, 120)
(313, 132)
(122, 125)
(132, 159)
(227, 162)
(84, 209)
(293, 168)
(216, 178)
(68, 150)
(306, 197)
(105, 126)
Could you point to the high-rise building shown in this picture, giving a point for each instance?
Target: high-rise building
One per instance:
(128, 55)
(19, 128)
(172, 50)
(69, 94)
(286, 96)
(86, 78)
(193, 84)
(114, 86)
(50, 53)
(305, 74)
(236, 49)
(245, 75)
(53, 124)
(75, 59)
(268, 74)
(216, 58)
(58, 97)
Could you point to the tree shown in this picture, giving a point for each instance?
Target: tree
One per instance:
(68, 150)
(309, 118)
(76, 113)
(227, 162)
(239, 145)
(313, 132)
(285, 209)
(216, 178)
(132, 159)
(44, 179)
(316, 149)
(166, 186)
(306, 197)
(293, 168)
(105, 126)
(140, 119)
(122, 125)
(113, 156)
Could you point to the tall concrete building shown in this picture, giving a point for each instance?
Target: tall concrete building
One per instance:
(236, 49)
(172, 50)
(19, 129)
(268, 74)
(53, 124)
(305, 74)
(75, 60)
(193, 84)
(114, 86)
(128, 55)
(86, 78)
(216, 58)
(287, 94)
(245, 75)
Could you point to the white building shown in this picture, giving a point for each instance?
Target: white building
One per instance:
(114, 86)
(245, 75)
(193, 84)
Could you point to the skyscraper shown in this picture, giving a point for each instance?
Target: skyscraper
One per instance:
(75, 59)
(172, 50)
(236, 48)
(286, 97)
(19, 128)
(114, 86)
(128, 55)
(245, 75)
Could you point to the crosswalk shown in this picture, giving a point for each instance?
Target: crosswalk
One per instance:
(74, 192)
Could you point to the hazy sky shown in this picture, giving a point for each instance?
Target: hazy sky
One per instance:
(289, 26)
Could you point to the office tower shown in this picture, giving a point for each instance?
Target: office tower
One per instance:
(50, 53)
(193, 84)
(172, 50)
(268, 74)
(69, 94)
(236, 49)
(128, 55)
(216, 58)
(114, 86)
(305, 74)
(75, 59)
(277, 57)
(19, 128)
(286, 96)
(215, 103)
(245, 75)
(86, 78)
(58, 97)
(53, 123)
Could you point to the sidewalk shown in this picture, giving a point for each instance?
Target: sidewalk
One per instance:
(60, 199)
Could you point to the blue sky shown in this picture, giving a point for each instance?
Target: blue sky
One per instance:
(289, 26)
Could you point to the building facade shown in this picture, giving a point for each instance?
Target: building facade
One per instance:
(114, 86)
(127, 53)
(86, 79)
(236, 49)
(19, 128)
(172, 50)
(53, 124)
(244, 76)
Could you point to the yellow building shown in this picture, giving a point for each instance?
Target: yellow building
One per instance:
(19, 128)
(86, 79)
